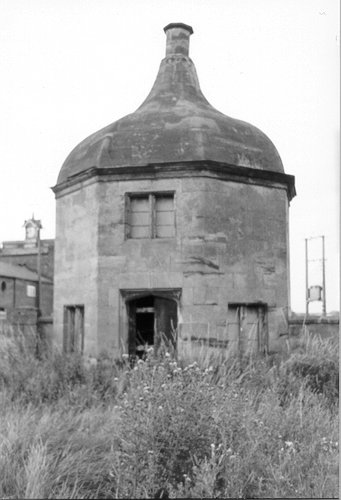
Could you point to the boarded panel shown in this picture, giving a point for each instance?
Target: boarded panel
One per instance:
(131, 306)
(165, 218)
(165, 231)
(164, 203)
(140, 219)
(79, 329)
(166, 317)
(73, 329)
(247, 328)
(248, 337)
(139, 204)
(139, 231)
(233, 328)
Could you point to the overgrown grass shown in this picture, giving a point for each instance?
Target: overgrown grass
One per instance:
(206, 425)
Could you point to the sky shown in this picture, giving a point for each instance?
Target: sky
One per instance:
(71, 67)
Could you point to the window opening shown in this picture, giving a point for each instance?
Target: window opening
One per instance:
(73, 329)
(30, 291)
(151, 215)
(3, 286)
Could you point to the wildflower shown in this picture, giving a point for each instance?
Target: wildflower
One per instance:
(150, 452)
(125, 356)
(289, 444)
(150, 349)
(115, 379)
(160, 407)
(140, 362)
(167, 355)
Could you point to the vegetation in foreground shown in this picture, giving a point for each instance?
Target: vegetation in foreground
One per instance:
(204, 426)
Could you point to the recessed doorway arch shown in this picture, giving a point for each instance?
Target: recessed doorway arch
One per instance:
(151, 319)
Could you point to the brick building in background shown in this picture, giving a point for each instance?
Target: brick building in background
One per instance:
(26, 279)
(173, 219)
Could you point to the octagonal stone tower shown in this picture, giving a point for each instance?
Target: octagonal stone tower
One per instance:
(172, 222)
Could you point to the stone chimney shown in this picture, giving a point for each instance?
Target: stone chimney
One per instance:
(177, 38)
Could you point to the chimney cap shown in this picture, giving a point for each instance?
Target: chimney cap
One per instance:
(178, 25)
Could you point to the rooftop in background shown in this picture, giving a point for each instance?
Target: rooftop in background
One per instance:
(25, 253)
(19, 272)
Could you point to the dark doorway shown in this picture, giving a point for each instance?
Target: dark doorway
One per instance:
(152, 321)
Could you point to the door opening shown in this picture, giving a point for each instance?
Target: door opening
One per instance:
(152, 321)
(247, 327)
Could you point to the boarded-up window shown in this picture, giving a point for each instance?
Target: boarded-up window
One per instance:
(247, 328)
(164, 216)
(140, 217)
(73, 329)
(151, 215)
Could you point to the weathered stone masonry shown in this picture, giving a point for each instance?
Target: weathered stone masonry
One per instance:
(225, 262)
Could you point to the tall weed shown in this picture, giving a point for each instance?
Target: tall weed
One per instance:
(205, 425)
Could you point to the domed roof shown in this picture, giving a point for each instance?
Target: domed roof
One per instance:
(175, 123)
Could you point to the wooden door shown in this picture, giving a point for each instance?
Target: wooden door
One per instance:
(166, 321)
(131, 306)
(247, 328)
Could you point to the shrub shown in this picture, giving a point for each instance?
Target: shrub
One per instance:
(212, 427)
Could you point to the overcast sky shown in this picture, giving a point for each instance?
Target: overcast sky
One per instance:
(70, 67)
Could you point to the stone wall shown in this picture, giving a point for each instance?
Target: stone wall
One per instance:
(327, 327)
(76, 260)
(230, 247)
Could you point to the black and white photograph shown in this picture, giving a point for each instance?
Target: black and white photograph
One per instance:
(169, 248)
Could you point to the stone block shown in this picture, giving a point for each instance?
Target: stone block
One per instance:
(187, 296)
(199, 295)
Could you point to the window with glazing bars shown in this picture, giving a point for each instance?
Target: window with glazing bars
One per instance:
(150, 215)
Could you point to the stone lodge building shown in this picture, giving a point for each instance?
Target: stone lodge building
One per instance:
(172, 221)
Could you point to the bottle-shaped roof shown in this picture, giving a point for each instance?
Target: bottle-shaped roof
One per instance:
(175, 123)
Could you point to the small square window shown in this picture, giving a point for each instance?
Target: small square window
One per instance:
(31, 291)
(151, 215)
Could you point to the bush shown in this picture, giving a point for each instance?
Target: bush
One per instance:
(314, 364)
(213, 427)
